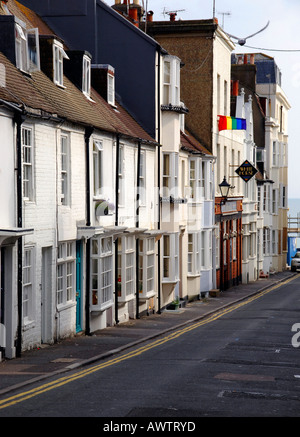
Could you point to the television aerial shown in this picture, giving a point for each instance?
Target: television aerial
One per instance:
(223, 15)
(242, 41)
(171, 13)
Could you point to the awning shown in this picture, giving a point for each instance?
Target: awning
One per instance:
(11, 235)
(93, 231)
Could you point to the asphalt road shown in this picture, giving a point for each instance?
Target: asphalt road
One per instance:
(240, 363)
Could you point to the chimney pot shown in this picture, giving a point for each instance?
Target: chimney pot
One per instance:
(172, 16)
(150, 16)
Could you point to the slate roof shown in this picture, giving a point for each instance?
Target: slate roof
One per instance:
(38, 92)
(191, 145)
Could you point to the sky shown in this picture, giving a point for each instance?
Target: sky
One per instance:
(279, 40)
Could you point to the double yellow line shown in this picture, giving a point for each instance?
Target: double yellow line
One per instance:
(78, 375)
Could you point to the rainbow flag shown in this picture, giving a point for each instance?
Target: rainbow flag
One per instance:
(231, 123)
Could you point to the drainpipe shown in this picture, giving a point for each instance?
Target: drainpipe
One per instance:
(87, 135)
(158, 185)
(19, 119)
(116, 224)
(137, 223)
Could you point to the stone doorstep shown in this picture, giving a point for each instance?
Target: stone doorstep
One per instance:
(214, 293)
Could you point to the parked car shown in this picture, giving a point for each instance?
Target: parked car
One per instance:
(295, 263)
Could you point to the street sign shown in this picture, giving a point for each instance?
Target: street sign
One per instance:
(246, 171)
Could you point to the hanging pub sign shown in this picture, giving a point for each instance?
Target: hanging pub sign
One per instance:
(246, 171)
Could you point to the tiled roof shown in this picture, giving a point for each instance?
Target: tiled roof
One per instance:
(190, 144)
(30, 16)
(37, 91)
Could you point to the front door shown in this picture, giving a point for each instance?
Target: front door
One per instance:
(78, 286)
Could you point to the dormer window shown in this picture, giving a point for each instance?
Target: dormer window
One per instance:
(111, 86)
(27, 49)
(21, 48)
(103, 81)
(33, 50)
(86, 76)
(58, 58)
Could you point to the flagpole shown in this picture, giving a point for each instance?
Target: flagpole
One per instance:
(214, 8)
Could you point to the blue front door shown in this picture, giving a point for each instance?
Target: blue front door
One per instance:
(78, 287)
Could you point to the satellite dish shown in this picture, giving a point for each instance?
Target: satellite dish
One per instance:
(242, 41)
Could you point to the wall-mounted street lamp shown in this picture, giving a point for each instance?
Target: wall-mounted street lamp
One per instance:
(224, 188)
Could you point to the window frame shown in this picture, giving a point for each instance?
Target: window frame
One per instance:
(194, 254)
(66, 262)
(97, 168)
(170, 258)
(28, 283)
(28, 164)
(86, 75)
(111, 89)
(142, 179)
(58, 63)
(171, 81)
(65, 169)
(146, 266)
(126, 268)
(170, 174)
(21, 49)
(121, 175)
(103, 276)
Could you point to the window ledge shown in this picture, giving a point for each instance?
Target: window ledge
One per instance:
(97, 309)
(170, 281)
(147, 296)
(125, 299)
(65, 306)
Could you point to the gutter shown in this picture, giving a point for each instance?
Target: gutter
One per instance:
(137, 223)
(116, 224)
(87, 135)
(19, 118)
(158, 182)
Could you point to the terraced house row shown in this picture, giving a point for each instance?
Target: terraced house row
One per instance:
(113, 151)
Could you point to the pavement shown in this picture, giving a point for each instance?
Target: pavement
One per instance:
(72, 353)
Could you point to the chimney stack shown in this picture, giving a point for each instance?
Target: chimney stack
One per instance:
(132, 11)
